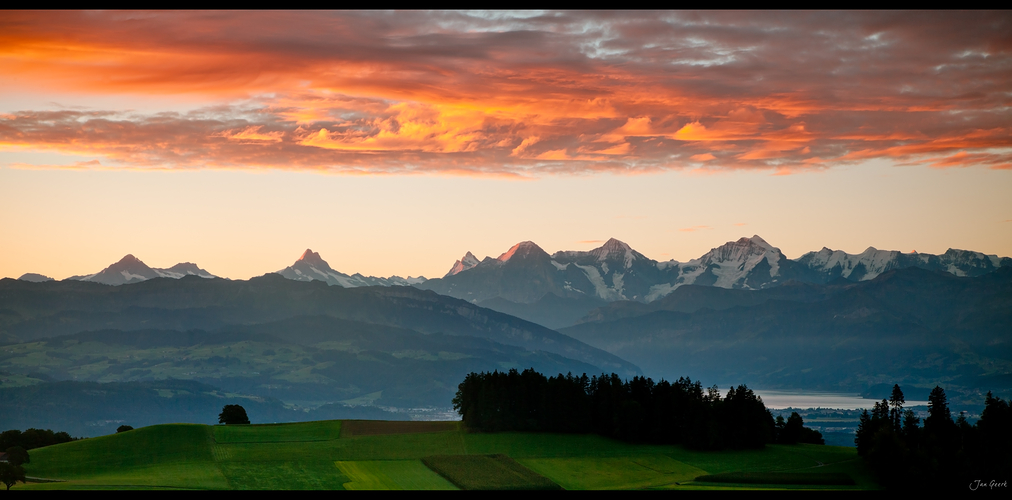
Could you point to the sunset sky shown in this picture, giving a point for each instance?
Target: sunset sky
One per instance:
(394, 142)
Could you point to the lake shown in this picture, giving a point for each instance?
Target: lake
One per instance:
(775, 399)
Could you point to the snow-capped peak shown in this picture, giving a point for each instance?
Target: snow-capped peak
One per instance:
(740, 251)
(312, 258)
(756, 239)
(466, 262)
(614, 249)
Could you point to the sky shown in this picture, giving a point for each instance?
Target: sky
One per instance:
(394, 142)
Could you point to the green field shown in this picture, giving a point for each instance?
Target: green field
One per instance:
(379, 455)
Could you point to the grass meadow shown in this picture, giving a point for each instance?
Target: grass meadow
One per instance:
(373, 455)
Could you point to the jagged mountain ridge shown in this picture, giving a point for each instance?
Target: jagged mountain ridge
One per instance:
(312, 267)
(525, 273)
(466, 262)
(130, 269)
(614, 271)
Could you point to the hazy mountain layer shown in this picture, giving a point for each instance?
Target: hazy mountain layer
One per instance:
(907, 326)
(308, 359)
(31, 311)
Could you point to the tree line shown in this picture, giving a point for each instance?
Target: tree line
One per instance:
(940, 453)
(32, 438)
(637, 410)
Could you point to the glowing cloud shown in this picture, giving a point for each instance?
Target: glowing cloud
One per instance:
(560, 92)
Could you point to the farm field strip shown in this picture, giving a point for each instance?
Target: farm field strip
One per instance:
(286, 475)
(613, 473)
(488, 472)
(391, 475)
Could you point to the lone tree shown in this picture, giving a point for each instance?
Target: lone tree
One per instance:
(10, 474)
(233, 414)
(124, 428)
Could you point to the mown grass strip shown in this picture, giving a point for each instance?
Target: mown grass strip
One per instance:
(488, 472)
(802, 478)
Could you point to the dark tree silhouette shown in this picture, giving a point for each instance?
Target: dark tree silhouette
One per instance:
(10, 474)
(233, 415)
(943, 455)
(124, 428)
(32, 438)
(939, 417)
(896, 407)
(637, 410)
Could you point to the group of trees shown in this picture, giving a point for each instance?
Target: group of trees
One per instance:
(32, 438)
(637, 410)
(904, 454)
(793, 431)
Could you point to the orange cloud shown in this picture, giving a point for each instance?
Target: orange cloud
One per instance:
(566, 92)
(252, 133)
(694, 228)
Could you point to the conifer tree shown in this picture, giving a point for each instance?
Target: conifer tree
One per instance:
(896, 407)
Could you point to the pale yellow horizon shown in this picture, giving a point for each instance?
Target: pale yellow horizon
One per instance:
(240, 224)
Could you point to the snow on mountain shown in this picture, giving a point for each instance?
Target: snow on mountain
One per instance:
(466, 262)
(839, 264)
(130, 269)
(526, 273)
(829, 264)
(184, 269)
(614, 250)
(749, 263)
(614, 271)
(312, 267)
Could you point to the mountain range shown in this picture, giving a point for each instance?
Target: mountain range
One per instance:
(563, 288)
(613, 271)
(130, 269)
(311, 267)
